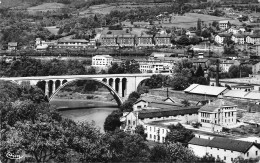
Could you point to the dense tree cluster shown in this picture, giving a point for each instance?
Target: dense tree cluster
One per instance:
(126, 67)
(185, 74)
(33, 67)
(30, 127)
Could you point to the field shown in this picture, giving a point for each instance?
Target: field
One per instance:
(107, 8)
(53, 29)
(190, 20)
(45, 7)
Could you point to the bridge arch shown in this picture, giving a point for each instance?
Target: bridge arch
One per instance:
(112, 91)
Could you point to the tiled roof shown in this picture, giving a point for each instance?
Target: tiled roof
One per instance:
(167, 112)
(205, 90)
(210, 107)
(162, 35)
(157, 103)
(73, 40)
(253, 118)
(223, 21)
(224, 143)
(235, 94)
(12, 43)
(199, 141)
(225, 34)
(253, 96)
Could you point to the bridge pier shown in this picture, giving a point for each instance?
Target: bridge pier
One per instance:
(53, 87)
(120, 87)
(47, 88)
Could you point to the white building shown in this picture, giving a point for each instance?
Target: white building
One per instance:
(256, 68)
(226, 64)
(224, 148)
(224, 24)
(253, 39)
(218, 114)
(157, 115)
(238, 39)
(102, 61)
(153, 65)
(219, 38)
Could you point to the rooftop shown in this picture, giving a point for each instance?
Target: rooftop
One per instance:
(151, 113)
(224, 143)
(253, 118)
(210, 107)
(73, 40)
(205, 90)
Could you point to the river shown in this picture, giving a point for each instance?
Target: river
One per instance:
(94, 111)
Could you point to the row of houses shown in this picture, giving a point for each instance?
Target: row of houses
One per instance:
(130, 40)
(78, 44)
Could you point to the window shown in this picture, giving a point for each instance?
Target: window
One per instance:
(129, 122)
(256, 153)
(150, 136)
(133, 123)
(218, 148)
(231, 159)
(225, 158)
(247, 154)
(150, 128)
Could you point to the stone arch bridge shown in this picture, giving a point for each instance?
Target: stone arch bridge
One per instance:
(120, 85)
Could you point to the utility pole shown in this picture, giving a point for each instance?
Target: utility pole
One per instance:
(217, 74)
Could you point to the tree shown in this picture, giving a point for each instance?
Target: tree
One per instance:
(115, 69)
(177, 152)
(140, 130)
(112, 121)
(134, 96)
(185, 103)
(178, 133)
(125, 147)
(180, 82)
(183, 40)
(228, 41)
(195, 40)
(242, 160)
(159, 153)
(199, 28)
(130, 67)
(199, 72)
(206, 33)
(155, 81)
(209, 158)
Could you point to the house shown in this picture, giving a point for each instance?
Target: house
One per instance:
(205, 90)
(226, 64)
(145, 111)
(256, 68)
(244, 95)
(12, 46)
(154, 65)
(236, 30)
(238, 38)
(158, 119)
(224, 24)
(102, 61)
(126, 40)
(253, 39)
(203, 62)
(243, 87)
(218, 114)
(219, 38)
(145, 40)
(224, 148)
(109, 40)
(72, 44)
(162, 40)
